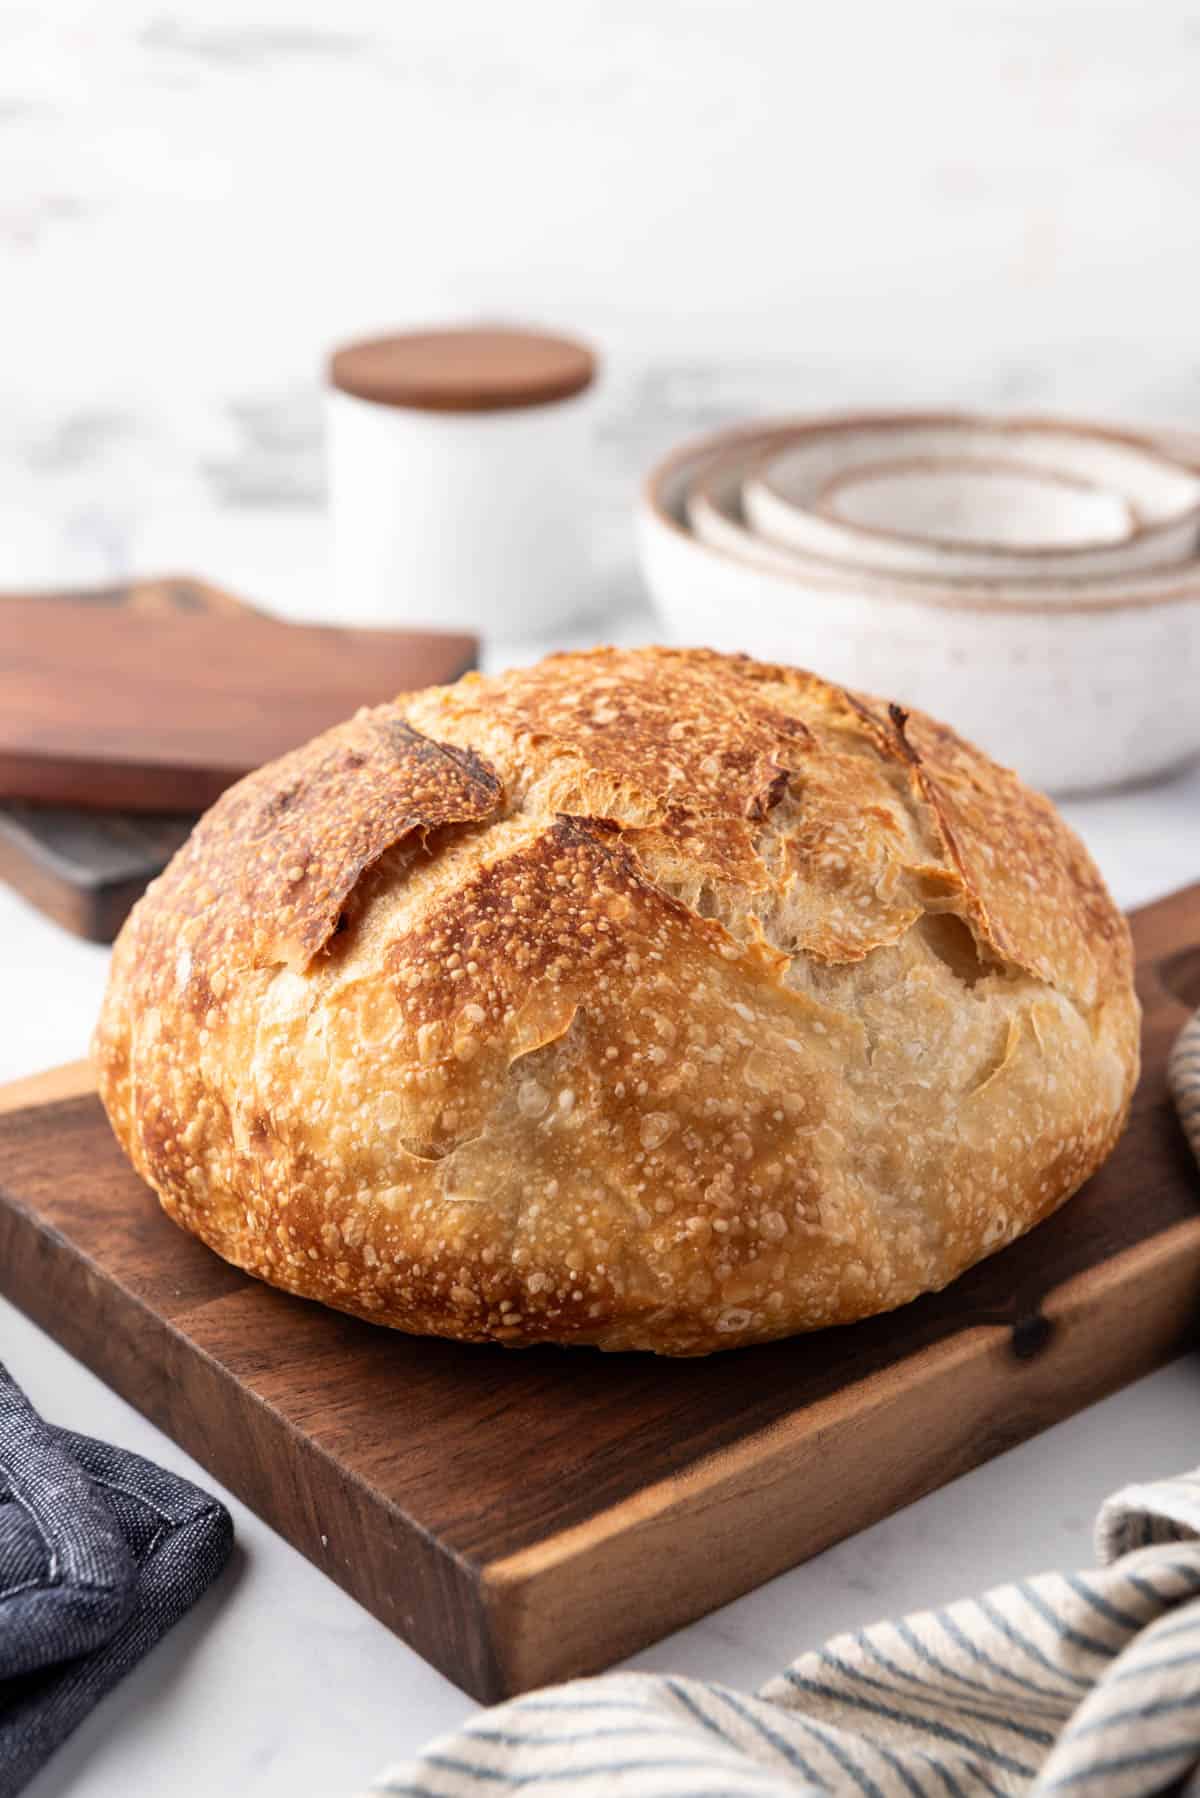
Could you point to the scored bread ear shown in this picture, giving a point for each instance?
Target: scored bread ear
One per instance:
(1027, 889)
(301, 832)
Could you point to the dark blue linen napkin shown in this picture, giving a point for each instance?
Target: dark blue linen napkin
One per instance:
(100, 1553)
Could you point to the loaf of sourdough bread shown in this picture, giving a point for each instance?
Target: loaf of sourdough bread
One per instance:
(651, 999)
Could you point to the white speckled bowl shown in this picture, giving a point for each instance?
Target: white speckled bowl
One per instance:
(959, 497)
(1080, 686)
(958, 506)
(714, 511)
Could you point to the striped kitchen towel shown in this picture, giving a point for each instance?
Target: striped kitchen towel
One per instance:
(1085, 1684)
(1183, 1074)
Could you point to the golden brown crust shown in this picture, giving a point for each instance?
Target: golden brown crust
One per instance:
(655, 999)
(296, 837)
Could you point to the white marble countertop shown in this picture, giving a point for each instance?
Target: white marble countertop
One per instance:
(278, 1683)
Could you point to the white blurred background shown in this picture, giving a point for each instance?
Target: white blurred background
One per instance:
(748, 206)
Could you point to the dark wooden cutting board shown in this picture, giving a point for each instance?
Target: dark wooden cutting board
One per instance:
(520, 1517)
(86, 868)
(161, 709)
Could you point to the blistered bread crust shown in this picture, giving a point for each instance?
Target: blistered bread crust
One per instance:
(653, 999)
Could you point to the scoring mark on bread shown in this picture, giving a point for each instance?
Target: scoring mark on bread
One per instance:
(302, 832)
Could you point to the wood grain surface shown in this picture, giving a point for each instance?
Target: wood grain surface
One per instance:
(87, 869)
(523, 1516)
(158, 709)
(470, 369)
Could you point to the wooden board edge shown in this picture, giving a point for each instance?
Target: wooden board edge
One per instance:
(416, 1586)
(130, 786)
(146, 593)
(78, 909)
(186, 593)
(606, 1588)
(67, 1081)
(89, 904)
(16, 839)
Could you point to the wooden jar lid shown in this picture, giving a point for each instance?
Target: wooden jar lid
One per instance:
(464, 370)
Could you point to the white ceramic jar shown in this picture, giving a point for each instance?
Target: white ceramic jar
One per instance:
(458, 464)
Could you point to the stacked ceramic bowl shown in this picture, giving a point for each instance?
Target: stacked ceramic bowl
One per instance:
(1034, 582)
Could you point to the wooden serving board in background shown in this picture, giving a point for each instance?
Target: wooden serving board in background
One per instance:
(87, 869)
(159, 709)
(523, 1516)
(83, 867)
